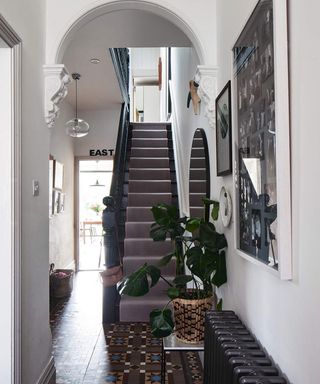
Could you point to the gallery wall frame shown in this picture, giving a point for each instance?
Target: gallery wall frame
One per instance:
(51, 177)
(58, 169)
(261, 132)
(224, 131)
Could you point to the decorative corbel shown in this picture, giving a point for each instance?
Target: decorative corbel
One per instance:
(57, 79)
(206, 77)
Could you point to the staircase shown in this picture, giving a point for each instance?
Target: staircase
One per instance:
(151, 180)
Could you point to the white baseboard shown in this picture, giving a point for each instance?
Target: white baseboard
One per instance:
(48, 374)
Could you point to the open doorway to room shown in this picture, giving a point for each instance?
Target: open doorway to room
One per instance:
(93, 184)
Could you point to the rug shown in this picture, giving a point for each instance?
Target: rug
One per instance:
(133, 356)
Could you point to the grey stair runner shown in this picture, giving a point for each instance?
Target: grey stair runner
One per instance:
(149, 183)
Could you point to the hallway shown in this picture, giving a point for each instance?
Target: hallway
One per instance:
(86, 353)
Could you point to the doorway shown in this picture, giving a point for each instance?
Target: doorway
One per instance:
(93, 184)
(10, 203)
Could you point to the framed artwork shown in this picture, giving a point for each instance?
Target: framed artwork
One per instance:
(55, 202)
(223, 131)
(61, 202)
(51, 167)
(58, 175)
(262, 141)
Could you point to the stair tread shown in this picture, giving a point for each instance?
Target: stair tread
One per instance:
(150, 181)
(149, 193)
(149, 130)
(148, 239)
(149, 169)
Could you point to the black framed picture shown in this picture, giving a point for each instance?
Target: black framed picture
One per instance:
(223, 131)
(262, 141)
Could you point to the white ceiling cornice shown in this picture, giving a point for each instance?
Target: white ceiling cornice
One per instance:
(57, 79)
(206, 76)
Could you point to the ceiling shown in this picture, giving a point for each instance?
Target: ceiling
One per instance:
(98, 86)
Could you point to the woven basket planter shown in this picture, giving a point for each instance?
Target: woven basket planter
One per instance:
(189, 318)
(61, 287)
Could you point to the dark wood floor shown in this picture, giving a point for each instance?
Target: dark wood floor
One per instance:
(86, 352)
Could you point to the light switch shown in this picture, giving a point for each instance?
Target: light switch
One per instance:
(35, 188)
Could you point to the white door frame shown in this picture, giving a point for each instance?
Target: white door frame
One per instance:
(14, 42)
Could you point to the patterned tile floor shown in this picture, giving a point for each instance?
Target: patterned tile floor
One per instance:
(124, 353)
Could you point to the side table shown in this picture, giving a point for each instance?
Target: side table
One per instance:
(171, 343)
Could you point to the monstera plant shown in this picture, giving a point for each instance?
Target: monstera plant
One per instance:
(197, 246)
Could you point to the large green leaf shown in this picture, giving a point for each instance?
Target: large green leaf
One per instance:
(161, 322)
(193, 224)
(207, 201)
(158, 233)
(215, 211)
(165, 259)
(198, 263)
(167, 222)
(210, 238)
(140, 281)
(160, 214)
(220, 276)
(181, 280)
(173, 292)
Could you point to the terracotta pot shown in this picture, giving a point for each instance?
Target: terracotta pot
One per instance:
(189, 318)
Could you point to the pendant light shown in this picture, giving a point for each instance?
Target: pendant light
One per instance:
(77, 127)
(97, 184)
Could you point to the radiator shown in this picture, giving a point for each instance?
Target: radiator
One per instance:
(232, 355)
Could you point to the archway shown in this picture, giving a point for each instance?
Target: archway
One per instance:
(85, 16)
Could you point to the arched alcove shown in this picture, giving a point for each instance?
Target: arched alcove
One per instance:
(89, 14)
(199, 174)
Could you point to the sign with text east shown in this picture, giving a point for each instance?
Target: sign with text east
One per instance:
(101, 152)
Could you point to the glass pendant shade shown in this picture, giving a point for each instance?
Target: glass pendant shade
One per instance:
(77, 127)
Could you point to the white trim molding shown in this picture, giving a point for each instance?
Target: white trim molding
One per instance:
(48, 374)
(57, 79)
(206, 77)
(14, 42)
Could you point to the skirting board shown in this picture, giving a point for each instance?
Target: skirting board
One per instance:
(48, 375)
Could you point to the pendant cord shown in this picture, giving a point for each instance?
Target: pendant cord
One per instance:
(76, 99)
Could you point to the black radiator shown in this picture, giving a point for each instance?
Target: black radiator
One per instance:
(232, 355)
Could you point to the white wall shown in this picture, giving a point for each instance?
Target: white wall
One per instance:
(144, 64)
(284, 315)
(28, 20)
(151, 105)
(144, 61)
(104, 130)
(185, 122)
(6, 215)
(61, 230)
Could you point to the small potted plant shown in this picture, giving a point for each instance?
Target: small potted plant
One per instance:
(200, 248)
(97, 208)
